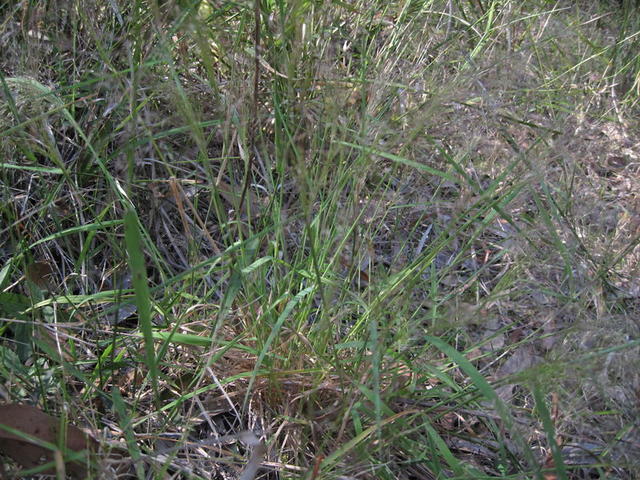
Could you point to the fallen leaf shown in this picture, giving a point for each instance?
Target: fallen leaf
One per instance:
(549, 328)
(41, 427)
(40, 273)
(522, 359)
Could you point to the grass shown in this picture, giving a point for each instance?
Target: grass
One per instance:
(325, 240)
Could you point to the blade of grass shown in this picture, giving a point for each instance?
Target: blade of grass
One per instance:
(547, 423)
(30, 168)
(141, 287)
(490, 394)
(274, 332)
(129, 435)
(403, 161)
(351, 444)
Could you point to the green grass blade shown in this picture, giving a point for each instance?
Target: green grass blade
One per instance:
(141, 287)
(547, 423)
(272, 336)
(129, 435)
(490, 394)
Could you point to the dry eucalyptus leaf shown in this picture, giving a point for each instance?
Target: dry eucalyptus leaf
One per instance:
(40, 274)
(37, 424)
(522, 359)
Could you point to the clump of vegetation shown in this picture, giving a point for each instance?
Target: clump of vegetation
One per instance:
(25, 110)
(321, 240)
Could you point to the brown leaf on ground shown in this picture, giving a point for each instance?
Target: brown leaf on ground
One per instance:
(38, 426)
(522, 359)
(40, 273)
